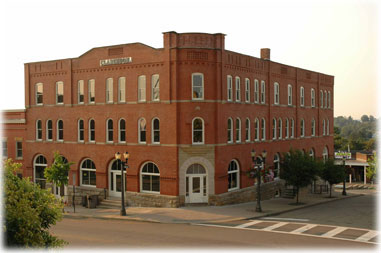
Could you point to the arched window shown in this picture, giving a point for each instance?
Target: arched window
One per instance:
(142, 88)
(81, 131)
(325, 154)
(233, 175)
(230, 130)
(279, 128)
(122, 89)
(39, 166)
(196, 169)
(287, 129)
(323, 127)
(247, 90)
(312, 98)
(91, 130)
(321, 99)
(312, 153)
(109, 90)
(81, 92)
(150, 178)
(301, 96)
(274, 128)
(230, 88)
(142, 126)
(59, 92)
(256, 91)
(276, 165)
(109, 131)
(49, 130)
(247, 129)
(263, 127)
(197, 131)
(289, 94)
(39, 93)
(256, 129)
(155, 87)
(88, 175)
(91, 84)
(292, 128)
(327, 132)
(122, 130)
(313, 127)
(302, 128)
(237, 89)
(60, 130)
(39, 130)
(263, 92)
(238, 130)
(276, 93)
(156, 131)
(197, 86)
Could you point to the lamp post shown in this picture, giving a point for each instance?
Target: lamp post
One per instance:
(259, 164)
(345, 172)
(126, 155)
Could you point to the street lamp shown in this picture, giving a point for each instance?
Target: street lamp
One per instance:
(259, 164)
(345, 177)
(126, 155)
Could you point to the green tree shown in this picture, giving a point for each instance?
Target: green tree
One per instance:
(59, 171)
(371, 171)
(298, 169)
(332, 173)
(364, 118)
(29, 211)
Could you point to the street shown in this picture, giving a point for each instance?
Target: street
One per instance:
(311, 227)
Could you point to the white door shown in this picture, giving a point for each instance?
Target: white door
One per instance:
(115, 186)
(197, 189)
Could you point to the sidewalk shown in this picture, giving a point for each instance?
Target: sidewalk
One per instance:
(206, 214)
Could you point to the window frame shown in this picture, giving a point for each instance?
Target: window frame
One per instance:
(312, 97)
(301, 96)
(302, 128)
(256, 91)
(263, 127)
(313, 127)
(49, 129)
(122, 89)
(141, 130)
(81, 88)
(247, 90)
(229, 86)
(230, 131)
(274, 128)
(202, 86)
(38, 130)
(325, 99)
(39, 95)
(237, 172)
(63, 92)
(321, 99)
(150, 174)
(237, 89)
(238, 127)
(289, 94)
(280, 134)
(19, 149)
(91, 91)
(287, 129)
(155, 130)
(202, 130)
(4, 148)
(256, 129)
(276, 163)
(263, 92)
(58, 130)
(276, 93)
(91, 130)
(81, 130)
(155, 89)
(109, 90)
(142, 89)
(108, 131)
(94, 170)
(292, 129)
(247, 130)
(120, 131)
(329, 99)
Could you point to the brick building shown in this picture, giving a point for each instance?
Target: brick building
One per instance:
(188, 114)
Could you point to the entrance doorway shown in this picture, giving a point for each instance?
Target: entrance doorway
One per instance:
(196, 184)
(115, 178)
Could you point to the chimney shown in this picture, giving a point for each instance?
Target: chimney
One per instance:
(265, 53)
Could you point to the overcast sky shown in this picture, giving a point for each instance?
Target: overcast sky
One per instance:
(338, 38)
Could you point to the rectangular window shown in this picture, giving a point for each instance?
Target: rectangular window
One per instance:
(312, 98)
(301, 96)
(263, 92)
(289, 94)
(141, 88)
(256, 91)
(276, 93)
(237, 89)
(91, 91)
(155, 83)
(197, 86)
(81, 92)
(321, 99)
(39, 93)
(60, 92)
(49, 130)
(109, 90)
(247, 90)
(19, 150)
(329, 99)
(122, 89)
(4, 147)
(230, 88)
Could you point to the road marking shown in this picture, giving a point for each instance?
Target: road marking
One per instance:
(289, 219)
(334, 232)
(275, 226)
(366, 237)
(248, 224)
(303, 229)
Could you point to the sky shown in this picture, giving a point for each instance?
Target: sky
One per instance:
(334, 37)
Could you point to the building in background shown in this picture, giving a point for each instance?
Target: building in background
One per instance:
(189, 115)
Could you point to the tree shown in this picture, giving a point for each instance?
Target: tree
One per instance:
(371, 171)
(332, 173)
(364, 118)
(298, 169)
(29, 211)
(59, 171)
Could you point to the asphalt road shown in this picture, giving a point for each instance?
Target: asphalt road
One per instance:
(358, 212)
(97, 234)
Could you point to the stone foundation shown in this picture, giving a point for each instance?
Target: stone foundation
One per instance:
(153, 200)
(268, 190)
(83, 191)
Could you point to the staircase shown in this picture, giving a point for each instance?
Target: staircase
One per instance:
(288, 193)
(110, 203)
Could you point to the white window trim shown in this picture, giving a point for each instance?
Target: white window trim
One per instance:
(143, 88)
(37, 164)
(231, 130)
(275, 129)
(238, 176)
(312, 97)
(107, 130)
(237, 89)
(139, 141)
(119, 130)
(302, 96)
(119, 89)
(257, 130)
(276, 93)
(247, 128)
(302, 128)
(263, 92)
(92, 141)
(289, 94)
(16, 149)
(153, 131)
(36, 87)
(277, 160)
(292, 129)
(287, 129)
(313, 131)
(47, 130)
(256, 91)
(247, 90)
(152, 88)
(329, 99)
(327, 132)
(323, 127)
(325, 99)
(86, 169)
(37, 139)
(149, 174)
(263, 128)
(58, 130)
(202, 90)
(229, 88)
(79, 91)
(203, 132)
(238, 130)
(109, 90)
(321, 99)
(280, 129)
(78, 131)
(90, 82)
(63, 94)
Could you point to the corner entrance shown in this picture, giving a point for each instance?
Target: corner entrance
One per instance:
(115, 178)
(196, 184)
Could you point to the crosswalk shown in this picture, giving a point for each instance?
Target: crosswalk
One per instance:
(305, 229)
